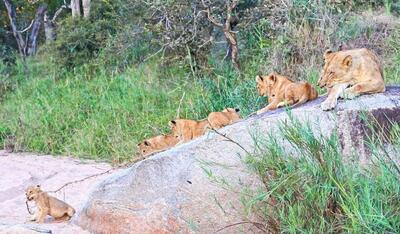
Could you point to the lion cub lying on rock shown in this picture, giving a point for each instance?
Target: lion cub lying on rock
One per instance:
(184, 130)
(157, 143)
(48, 205)
(187, 129)
(282, 91)
(221, 119)
(347, 74)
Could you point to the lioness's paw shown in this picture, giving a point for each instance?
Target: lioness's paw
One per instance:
(328, 105)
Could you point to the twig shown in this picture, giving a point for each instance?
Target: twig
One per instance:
(179, 107)
(27, 207)
(230, 140)
(257, 225)
(96, 175)
(81, 180)
(26, 29)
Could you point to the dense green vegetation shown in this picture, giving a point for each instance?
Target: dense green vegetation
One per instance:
(312, 190)
(112, 80)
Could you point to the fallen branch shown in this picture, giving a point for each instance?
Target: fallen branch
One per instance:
(230, 140)
(27, 207)
(96, 175)
(257, 225)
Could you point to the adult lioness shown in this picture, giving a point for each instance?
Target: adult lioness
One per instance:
(223, 118)
(282, 91)
(157, 143)
(187, 129)
(350, 73)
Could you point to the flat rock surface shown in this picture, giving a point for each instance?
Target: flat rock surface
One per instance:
(21, 170)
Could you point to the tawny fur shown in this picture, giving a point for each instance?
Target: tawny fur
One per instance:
(186, 129)
(282, 91)
(350, 73)
(221, 119)
(157, 143)
(48, 205)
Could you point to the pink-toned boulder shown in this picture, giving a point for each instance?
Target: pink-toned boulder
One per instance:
(198, 186)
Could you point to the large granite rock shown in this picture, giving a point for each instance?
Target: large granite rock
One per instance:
(176, 191)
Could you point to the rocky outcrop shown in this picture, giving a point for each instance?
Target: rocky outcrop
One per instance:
(198, 186)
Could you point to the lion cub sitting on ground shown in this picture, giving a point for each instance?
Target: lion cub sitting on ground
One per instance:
(48, 205)
(347, 74)
(221, 119)
(157, 143)
(282, 91)
(186, 129)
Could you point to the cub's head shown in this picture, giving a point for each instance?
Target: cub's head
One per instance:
(265, 84)
(233, 114)
(336, 70)
(231, 110)
(32, 192)
(175, 127)
(145, 147)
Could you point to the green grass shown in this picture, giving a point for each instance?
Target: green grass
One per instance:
(101, 118)
(310, 189)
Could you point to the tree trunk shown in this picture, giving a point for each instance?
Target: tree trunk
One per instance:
(86, 8)
(33, 38)
(233, 48)
(13, 22)
(49, 29)
(76, 8)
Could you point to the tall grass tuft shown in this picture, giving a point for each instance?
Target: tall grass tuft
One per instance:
(311, 189)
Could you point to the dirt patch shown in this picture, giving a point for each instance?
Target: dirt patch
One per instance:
(22, 170)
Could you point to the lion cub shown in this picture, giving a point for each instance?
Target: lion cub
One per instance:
(48, 205)
(157, 143)
(282, 91)
(223, 118)
(186, 129)
(350, 73)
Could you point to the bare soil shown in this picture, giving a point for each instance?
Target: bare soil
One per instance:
(18, 171)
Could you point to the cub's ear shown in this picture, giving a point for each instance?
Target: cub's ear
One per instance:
(347, 61)
(38, 186)
(237, 109)
(147, 143)
(172, 123)
(259, 78)
(327, 53)
(273, 76)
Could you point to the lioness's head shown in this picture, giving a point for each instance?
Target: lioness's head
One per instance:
(32, 192)
(265, 85)
(336, 69)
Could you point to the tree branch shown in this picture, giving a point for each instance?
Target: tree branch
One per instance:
(209, 16)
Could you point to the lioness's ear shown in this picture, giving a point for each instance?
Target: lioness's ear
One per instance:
(347, 61)
(38, 186)
(327, 54)
(147, 143)
(259, 78)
